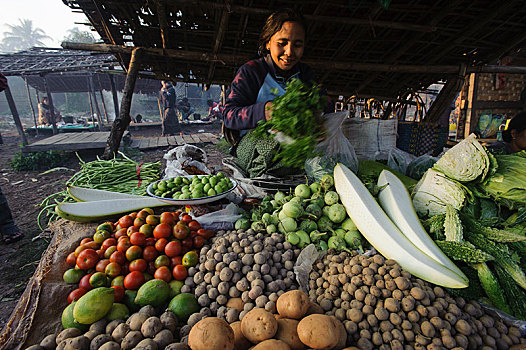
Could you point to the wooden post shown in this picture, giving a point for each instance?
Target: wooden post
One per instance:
(95, 102)
(121, 123)
(31, 105)
(472, 97)
(90, 104)
(51, 107)
(14, 112)
(104, 107)
(115, 96)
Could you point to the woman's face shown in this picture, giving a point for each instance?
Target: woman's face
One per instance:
(286, 46)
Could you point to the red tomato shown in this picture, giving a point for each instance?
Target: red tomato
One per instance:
(187, 243)
(176, 260)
(181, 231)
(149, 253)
(138, 222)
(138, 238)
(134, 252)
(162, 260)
(118, 257)
(133, 280)
(186, 218)
(178, 214)
(180, 272)
(131, 230)
(123, 245)
(126, 221)
(161, 244)
(193, 234)
(133, 214)
(120, 233)
(125, 268)
(151, 267)
(87, 259)
(167, 218)
(150, 242)
(138, 265)
(162, 231)
(119, 293)
(152, 220)
(110, 251)
(199, 241)
(142, 214)
(209, 234)
(71, 260)
(76, 294)
(194, 225)
(101, 265)
(108, 243)
(100, 252)
(173, 249)
(84, 282)
(85, 240)
(113, 269)
(163, 273)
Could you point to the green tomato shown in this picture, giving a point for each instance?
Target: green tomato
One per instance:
(315, 187)
(211, 192)
(272, 229)
(337, 213)
(302, 191)
(331, 198)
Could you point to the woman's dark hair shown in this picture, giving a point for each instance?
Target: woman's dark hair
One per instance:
(275, 22)
(517, 123)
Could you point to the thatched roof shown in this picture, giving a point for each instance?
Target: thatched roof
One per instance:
(353, 46)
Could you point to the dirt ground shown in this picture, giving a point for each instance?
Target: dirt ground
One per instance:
(25, 191)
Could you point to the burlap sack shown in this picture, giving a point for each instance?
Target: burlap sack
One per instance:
(39, 310)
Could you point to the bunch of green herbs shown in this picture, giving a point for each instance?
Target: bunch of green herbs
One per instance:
(297, 115)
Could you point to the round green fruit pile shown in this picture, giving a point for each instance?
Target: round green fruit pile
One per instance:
(192, 188)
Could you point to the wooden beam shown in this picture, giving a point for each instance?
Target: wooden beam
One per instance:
(163, 22)
(121, 123)
(31, 105)
(91, 86)
(51, 106)
(497, 104)
(104, 107)
(223, 24)
(472, 98)
(326, 19)
(14, 112)
(114, 95)
(445, 97)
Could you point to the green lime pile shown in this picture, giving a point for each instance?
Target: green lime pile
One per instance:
(192, 188)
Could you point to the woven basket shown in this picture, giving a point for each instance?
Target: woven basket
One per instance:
(422, 138)
(370, 136)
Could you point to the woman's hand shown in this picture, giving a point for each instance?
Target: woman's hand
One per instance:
(268, 110)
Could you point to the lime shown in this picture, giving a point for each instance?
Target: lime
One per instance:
(72, 276)
(183, 305)
(211, 192)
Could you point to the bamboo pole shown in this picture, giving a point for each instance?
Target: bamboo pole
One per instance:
(114, 95)
(123, 121)
(16, 117)
(104, 107)
(95, 102)
(31, 105)
(90, 104)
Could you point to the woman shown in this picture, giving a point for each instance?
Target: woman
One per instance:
(514, 136)
(168, 98)
(44, 113)
(250, 99)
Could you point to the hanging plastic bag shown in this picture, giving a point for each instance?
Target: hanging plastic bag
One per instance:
(336, 148)
(419, 166)
(223, 219)
(398, 160)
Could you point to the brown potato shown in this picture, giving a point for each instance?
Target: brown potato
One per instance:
(68, 333)
(49, 342)
(293, 304)
(318, 332)
(342, 338)
(163, 338)
(131, 340)
(271, 344)
(211, 333)
(146, 344)
(111, 345)
(236, 303)
(100, 340)
(258, 325)
(288, 333)
(240, 342)
(135, 321)
(314, 309)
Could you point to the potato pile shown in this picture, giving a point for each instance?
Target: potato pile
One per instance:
(239, 271)
(293, 328)
(384, 307)
(142, 330)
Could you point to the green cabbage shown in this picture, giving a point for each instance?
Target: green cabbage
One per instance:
(465, 162)
(507, 184)
(434, 192)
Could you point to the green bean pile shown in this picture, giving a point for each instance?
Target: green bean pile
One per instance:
(122, 175)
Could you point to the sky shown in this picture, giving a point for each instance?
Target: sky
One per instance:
(52, 16)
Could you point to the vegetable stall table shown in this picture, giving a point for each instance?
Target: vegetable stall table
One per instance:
(68, 128)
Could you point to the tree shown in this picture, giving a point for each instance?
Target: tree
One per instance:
(23, 36)
(79, 36)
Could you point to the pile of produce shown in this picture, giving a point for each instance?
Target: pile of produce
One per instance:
(182, 187)
(122, 175)
(385, 307)
(240, 271)
(296, 123)
(310, 214)
(473, 203)
(296, 326)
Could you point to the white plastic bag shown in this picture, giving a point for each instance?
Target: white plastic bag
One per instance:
(183, 156)
(223, 219)
(398, 160)
(336, 148)
(304, 263)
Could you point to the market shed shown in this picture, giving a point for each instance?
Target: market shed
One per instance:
(378, 49)
(55, 70)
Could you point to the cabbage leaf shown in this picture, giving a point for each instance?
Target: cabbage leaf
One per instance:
(466, 161)
(435, 191)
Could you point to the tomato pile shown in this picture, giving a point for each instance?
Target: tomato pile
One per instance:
(138, 247)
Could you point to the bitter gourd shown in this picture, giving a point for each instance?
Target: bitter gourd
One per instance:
(463, 251)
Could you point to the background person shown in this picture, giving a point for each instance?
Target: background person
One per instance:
(44, 113)
(514, 136)
(168, 98)
(186, 109)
